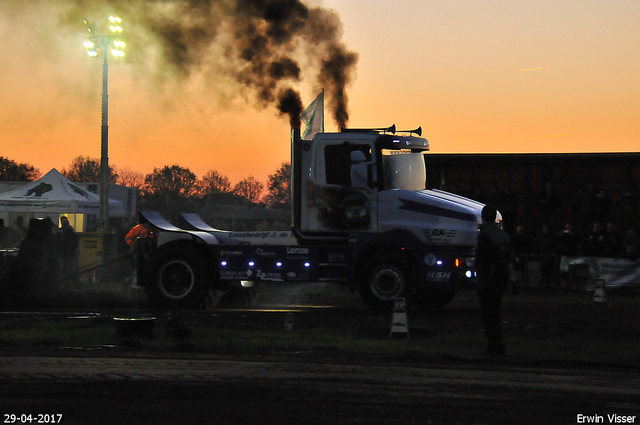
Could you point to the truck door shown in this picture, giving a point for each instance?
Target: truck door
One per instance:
(342, 189)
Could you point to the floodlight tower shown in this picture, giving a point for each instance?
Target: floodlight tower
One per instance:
(102, 44)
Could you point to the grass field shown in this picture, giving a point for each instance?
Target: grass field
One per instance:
(539, 326)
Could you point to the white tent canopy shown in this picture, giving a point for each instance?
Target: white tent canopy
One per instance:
(54, 193)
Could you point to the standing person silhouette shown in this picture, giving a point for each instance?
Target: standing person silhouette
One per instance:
(492, 263)
(68, 242)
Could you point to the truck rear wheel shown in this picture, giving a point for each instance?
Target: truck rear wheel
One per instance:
(177, 277)
(386, 277)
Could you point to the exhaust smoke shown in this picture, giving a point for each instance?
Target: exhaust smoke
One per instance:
(335, 74)
(265, 46)
(291, 105)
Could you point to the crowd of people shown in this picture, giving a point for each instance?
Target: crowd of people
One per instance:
(47, 255)
(602, 241)
(11, 237)
(546, 226)
(590, 223)
(64, 237)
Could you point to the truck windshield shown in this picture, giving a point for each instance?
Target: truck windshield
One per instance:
(403, 170)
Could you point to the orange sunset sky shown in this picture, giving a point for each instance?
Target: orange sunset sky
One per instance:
(478, 76)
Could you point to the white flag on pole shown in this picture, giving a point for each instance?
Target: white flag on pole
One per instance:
(313, 118)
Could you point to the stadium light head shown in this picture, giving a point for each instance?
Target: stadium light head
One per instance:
(115, 26)
(110, 41)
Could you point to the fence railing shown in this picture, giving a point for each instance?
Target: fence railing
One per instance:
(575, 272)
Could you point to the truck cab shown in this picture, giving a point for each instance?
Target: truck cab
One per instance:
(363, 182)
(366, 188)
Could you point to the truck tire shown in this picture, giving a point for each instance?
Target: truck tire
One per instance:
(387, 276)
(177, 276)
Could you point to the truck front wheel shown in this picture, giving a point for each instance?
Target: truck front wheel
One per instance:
(386, 277)
(176, 277)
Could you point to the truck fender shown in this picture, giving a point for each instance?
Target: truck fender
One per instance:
(169, 232)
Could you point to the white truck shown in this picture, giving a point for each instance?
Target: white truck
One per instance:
(360, 217)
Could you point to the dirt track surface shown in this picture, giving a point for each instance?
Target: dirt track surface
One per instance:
(213, 390)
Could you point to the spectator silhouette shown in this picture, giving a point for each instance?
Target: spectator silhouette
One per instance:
(612, 241)
(35, 269)
(548, 201)
(524, 245)
(492, 262)
(583, 212)
(547, 245)
(596, 240)
(494, 197)
(19, 231)
(509, 204)
(568, 242)
(603, 206)
(138, 240)
(477, 194)
(68, 244)
(630, 248)
(627, 210)
(5, 236)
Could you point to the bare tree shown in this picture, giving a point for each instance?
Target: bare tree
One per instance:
(279, 195)
(213, 183)
(130, 178)
(87, 170)
(249, 188)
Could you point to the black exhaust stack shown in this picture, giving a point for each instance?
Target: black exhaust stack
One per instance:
(296, 158)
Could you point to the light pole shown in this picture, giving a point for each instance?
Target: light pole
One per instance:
(104, 43)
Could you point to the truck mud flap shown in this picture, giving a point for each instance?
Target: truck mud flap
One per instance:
(158, 221)
(192, 221)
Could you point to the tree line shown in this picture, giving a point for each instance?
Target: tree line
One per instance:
(172, 188)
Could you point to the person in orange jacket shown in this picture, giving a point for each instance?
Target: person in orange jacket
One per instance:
(139, 231)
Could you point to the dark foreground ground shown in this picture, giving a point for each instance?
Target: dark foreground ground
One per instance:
(214, 390)
(567, 357)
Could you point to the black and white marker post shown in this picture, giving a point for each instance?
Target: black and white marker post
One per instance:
(399, 323)
(600, 292)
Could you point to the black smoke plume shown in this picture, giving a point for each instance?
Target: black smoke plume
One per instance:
(334, 73)
(265, 45)
(290, 104)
